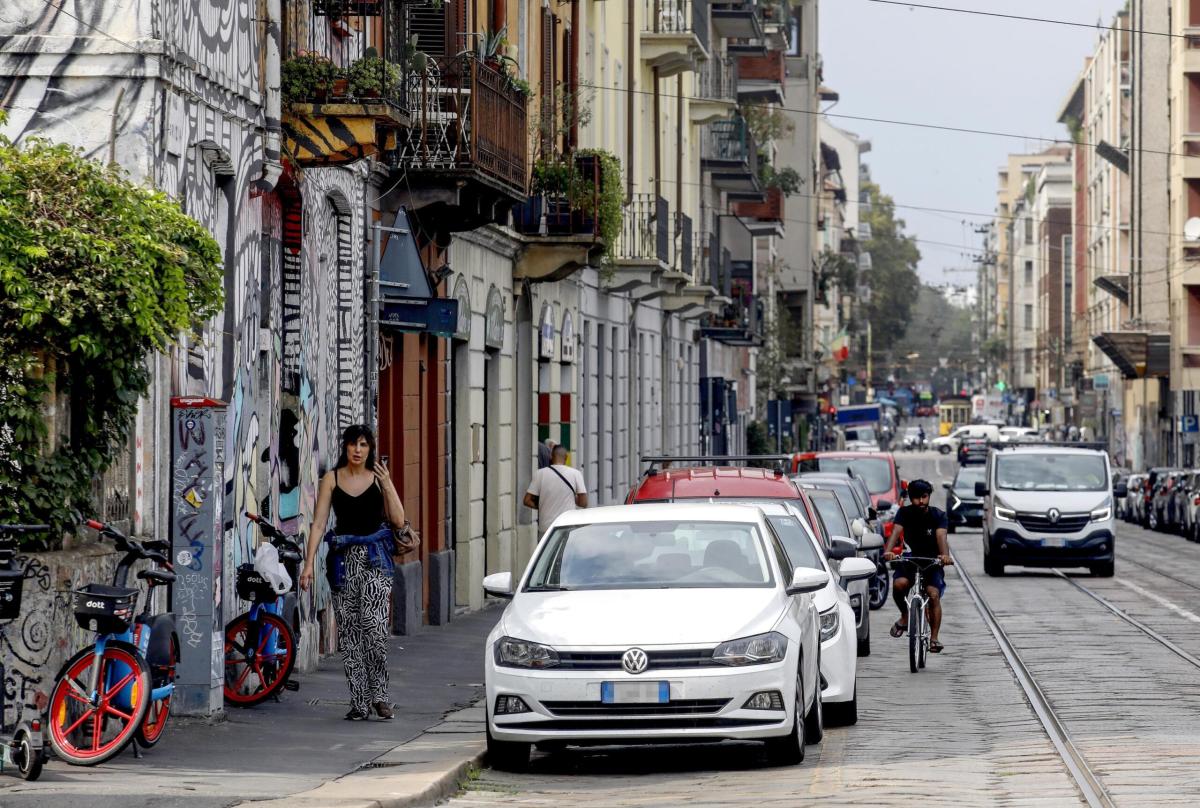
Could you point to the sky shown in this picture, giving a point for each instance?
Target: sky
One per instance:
(951, 69)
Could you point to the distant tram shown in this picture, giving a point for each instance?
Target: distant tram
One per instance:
(953, 412)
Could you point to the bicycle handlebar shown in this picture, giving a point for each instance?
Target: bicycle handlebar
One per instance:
(152, 550)
(276, 535)
(921, 561)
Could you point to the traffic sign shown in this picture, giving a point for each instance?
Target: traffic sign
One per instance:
(1189, 423)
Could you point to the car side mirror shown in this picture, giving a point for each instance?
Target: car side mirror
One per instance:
(805, 580)
(981, 489)
(856, 569)
(498, 584)
(1120, 490)
(840, 547)
(858, 527)
(872, 514)
(884, 505)
(871, 541)
(946, 486)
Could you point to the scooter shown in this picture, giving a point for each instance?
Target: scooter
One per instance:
(24, 750)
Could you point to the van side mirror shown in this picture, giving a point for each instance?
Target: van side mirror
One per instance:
(946, 486)
(981, 489)
(884, 505)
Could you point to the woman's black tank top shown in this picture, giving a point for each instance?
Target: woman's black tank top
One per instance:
(357, 515)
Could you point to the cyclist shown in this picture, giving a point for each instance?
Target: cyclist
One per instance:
(923, 529)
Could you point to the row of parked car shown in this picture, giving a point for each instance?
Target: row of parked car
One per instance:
(653, 622)
(1164, 499)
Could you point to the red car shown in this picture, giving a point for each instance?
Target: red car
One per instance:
(705, 482)
(877, 468)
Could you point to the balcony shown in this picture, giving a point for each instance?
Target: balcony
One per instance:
(776, 21)
(343, 87)
(740, 322)
(643, 250)
(559, 237)
(716, 90)
(763, 218)
(674, 34)
(465, 152)
(737, 19)
(692, 296)
(761, 78)
(728, 152)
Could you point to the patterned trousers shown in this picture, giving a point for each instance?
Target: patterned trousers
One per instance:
(362, 610)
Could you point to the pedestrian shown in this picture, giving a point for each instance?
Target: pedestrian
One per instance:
(359, 565)
(1073, 433)
(544, 450)
(556, 489)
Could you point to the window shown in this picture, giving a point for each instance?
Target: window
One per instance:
(1029, 273)
(1193, 314)
(1028, 317)
(1029, 360)
(1029, 231)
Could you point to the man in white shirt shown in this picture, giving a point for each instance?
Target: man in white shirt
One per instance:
(556, 489)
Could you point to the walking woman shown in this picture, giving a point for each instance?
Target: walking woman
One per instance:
(359, 565)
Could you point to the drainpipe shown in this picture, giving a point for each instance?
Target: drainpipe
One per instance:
(499, 9)
(273, 108)
(630, 97)
(657, 135)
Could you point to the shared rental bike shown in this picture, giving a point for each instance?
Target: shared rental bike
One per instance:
(918, 601)
(118, 689)
(23, 749)
(260, 645)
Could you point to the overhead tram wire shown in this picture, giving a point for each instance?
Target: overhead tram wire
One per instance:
(1095, 26)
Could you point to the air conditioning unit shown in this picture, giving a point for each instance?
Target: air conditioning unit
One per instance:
(864, 231)
(864, 261)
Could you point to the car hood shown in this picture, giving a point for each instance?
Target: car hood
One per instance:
(625, 617)
(1042, 501)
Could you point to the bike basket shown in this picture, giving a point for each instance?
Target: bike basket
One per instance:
(252, 586)
(10, 593)
(104, 609)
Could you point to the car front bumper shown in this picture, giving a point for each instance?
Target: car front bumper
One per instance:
(839, 661)
(1012, 547)
(704, 704)
(969, 514)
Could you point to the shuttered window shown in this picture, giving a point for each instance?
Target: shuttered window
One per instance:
(549, 113)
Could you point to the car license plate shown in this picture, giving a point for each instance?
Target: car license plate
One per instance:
(1054, 542)
(635, 692)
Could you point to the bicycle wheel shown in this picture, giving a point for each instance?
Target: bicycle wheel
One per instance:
(924, 642)
(916, 616)
(256, 668)
(155, 723)
(83, 733)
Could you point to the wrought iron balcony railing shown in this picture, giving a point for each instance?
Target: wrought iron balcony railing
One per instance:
(677, 17)
(730, 141)
(645, 231)
(684, 250)
(717, 78)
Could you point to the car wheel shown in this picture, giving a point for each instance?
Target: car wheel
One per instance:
(814, 722)
(944, 449)
(1153, 521)
(789, 750)
(992, 567)
(1195, 535)
(880, 584)
(1104, 570)
(508, 756)
(843, 713)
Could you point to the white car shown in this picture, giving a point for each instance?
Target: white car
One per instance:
(637, 623)
(839, 645)
(1018, 434)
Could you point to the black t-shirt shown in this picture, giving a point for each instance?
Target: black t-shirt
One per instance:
(920, 528)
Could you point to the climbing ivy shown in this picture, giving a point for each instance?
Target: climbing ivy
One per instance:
(95, 273)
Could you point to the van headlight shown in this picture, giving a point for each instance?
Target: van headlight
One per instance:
(829, 622)
(514, 653)
(1103, 513)
(1005, 513)
(757, 650)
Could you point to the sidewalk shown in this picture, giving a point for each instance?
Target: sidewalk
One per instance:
(302, 748)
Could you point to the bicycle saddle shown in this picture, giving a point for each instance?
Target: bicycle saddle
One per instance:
(156, 577)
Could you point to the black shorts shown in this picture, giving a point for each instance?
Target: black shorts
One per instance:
(933, 576)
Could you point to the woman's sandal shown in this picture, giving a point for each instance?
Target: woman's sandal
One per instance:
(898, 629)
(935, 647)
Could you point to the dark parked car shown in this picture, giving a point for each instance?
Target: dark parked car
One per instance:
(1162, 498)
(963, 507)
(1132, 502)
(973, 451)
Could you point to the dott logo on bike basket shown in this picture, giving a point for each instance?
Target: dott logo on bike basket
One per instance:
(96, 604)
(634, 660)
(1053, 515)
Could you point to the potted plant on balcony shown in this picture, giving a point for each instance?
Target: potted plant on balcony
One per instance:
(372, 77)
(553, 182)
(310, 77)
(601, 207)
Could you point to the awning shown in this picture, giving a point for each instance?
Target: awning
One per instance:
(1115, 285)
(1137, 353)
(406, 297)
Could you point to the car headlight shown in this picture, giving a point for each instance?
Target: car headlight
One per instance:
(757, 650)
(1103, 512)
(954, 500)
(1005, 513)
(829, 622)
(514, 653)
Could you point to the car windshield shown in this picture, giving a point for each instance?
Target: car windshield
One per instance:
(862, 434)
(651, 555)
(835, 520)
(846, 497)
(1051, 472)
(877, 471)
(800, 549)
(964, 483)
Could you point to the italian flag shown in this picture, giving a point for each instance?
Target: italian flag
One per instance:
(841, 346)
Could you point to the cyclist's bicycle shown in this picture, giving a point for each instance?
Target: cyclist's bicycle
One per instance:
(918, 601)
(117, 690)
(23, 749)
(260, 645)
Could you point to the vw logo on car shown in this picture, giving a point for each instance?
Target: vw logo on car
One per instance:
(634, 660)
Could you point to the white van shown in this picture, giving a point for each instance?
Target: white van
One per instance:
(948, 443)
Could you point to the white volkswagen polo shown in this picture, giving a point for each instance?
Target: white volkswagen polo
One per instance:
(655, 623)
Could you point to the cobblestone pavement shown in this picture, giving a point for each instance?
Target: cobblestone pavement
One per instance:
(960, 733)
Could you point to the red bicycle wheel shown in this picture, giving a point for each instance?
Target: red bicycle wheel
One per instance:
(256, 669)
(83, 733)
(155, 722)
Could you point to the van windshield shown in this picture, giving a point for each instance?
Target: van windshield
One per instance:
(1051, 472)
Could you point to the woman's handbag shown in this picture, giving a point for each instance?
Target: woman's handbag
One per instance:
(405, 539)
